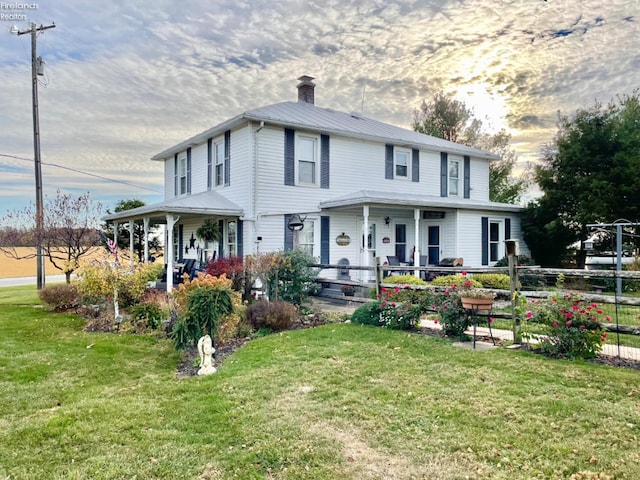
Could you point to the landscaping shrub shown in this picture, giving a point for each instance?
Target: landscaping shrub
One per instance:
(276, 316)
(405, 280)
(398, 315)
(451, 315)
(59, 297)
(291, 278)
(203, 305)
(128, 282)
(522, 261)
(421, 297)
(573, 327)
(457, 280)
(232, 267)
(493, 280)
(150, 315)
(367, 314)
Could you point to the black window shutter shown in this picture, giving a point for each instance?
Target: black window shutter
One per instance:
(288, 234)
(507, 228)
(240, 234)
(485, 240)
(180, 242)
(209, 163)
(227, 158)
(415, 165)
(175, 175)
(444, 165)
(467, 176)
(324, 161)
(289, 157)
(189, 170)
(388, 162)
(221, 242)
(325, 242)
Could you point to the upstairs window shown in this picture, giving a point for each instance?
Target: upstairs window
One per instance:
(454, 177)
(401, 161)
(218, 149)
(307, 153)
(182, 176)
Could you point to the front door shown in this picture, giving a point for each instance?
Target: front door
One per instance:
(433, 244)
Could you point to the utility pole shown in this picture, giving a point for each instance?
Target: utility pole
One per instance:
(36, 62)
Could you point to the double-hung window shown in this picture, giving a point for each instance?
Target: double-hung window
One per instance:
(182, 176)
(232, 238)
(307, 153)
(454, 177)
(401, 162)
(495, 245)
(218, 150)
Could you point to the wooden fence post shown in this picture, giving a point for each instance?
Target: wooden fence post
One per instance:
(378, 275)
(512, 257)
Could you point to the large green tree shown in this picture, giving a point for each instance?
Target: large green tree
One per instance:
(590, 174)
(450, 119)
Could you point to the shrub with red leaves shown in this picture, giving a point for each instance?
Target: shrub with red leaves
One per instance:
(232, 267)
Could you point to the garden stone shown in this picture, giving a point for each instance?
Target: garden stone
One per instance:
(206, 350)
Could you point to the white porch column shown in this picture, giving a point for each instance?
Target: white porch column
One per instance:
(145, 222)
(365, 228)
(115, 233)
(171, 221)
(416, 250)
(131, 241)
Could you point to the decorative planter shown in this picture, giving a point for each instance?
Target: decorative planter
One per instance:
(478, 304)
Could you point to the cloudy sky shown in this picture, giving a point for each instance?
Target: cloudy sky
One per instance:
(127, 79)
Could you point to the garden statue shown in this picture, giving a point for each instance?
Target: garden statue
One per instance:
(205, 349)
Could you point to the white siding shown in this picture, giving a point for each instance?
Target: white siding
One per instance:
(354, 165)
(199, 168)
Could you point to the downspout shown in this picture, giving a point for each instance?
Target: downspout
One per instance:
(256, 155)
(416, 248)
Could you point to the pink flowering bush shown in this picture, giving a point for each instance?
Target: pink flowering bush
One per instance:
(573, 327)
(388, 311)
(451, 315)
(401, 316)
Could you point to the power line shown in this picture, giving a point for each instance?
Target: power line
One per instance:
(101, 177)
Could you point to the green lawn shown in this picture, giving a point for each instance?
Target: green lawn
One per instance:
(334, 402)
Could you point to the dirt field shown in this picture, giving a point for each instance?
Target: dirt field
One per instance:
(10, 268)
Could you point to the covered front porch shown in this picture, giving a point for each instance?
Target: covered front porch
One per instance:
(416, 230)
(181, 218)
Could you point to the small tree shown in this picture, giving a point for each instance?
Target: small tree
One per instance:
(68, 233)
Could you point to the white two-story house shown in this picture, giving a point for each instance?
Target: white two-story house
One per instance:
(342, 186)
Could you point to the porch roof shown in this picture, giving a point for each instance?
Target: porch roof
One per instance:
(399, 199)
(205, 203)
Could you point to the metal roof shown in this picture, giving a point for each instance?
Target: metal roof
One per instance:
(371, 197)
(326, 120)
(205, 203)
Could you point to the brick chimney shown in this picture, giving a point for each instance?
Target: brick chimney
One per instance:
(305, 89)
